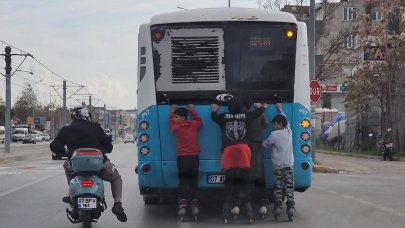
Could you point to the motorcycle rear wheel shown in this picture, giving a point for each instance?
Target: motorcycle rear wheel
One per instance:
(85, 217)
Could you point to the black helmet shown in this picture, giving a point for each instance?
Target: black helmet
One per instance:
(80, 113)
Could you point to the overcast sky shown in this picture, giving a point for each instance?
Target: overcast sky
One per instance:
(90, 42)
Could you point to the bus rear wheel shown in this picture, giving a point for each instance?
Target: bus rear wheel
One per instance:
(150, 200)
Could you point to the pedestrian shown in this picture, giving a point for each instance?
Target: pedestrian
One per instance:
(236, 154)
(280, 140)
(255, 133)
(188, 151)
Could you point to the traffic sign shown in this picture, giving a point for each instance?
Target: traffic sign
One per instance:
(315, 91)
(37, 120)
(30, 120)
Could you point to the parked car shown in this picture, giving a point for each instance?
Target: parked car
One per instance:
(39, 137)
(31, 138)
(129, 138)
(45, 137)
(19, 134)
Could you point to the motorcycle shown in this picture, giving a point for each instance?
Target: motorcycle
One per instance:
(386, 145)
(86, 188)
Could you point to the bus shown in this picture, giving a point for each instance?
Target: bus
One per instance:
(195, 56)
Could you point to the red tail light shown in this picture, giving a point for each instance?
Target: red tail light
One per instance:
(146, 168)
(88, 153)
(87, 183)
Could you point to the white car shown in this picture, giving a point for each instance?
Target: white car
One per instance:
(39, 137)
(45, 137)
(129, 138)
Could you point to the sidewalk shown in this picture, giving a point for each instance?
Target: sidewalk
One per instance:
(335, 162)
(26, 152)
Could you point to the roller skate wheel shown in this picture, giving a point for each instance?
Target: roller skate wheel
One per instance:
(235, 210)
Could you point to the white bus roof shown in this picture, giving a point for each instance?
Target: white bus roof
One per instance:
(222, 14)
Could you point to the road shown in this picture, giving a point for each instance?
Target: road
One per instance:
(31, 192)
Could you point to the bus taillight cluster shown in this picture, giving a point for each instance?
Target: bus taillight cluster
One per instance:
(144, 138)
(305, 136)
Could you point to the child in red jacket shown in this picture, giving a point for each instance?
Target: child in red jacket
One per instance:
(188, 152)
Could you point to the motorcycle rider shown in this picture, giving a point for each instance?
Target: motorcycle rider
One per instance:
(83, 133)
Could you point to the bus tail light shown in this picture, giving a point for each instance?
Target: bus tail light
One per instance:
(144, 138)
(144, 150)
(305, 136)
(157, 36)
(305, 165)
(144, 125)
(305, 123)
(305, 149)
(146, 168)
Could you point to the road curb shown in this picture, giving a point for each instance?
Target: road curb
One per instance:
(356, 155)
(323, 169)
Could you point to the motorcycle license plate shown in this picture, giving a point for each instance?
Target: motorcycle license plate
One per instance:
(388, 145)
(215, 179)
(87, 203)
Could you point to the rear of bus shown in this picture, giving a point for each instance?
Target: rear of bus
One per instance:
(194, 56)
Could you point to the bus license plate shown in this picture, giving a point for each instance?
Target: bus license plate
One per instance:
(87, 203)
(215, 179)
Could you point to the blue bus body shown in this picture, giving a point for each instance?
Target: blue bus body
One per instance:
(157, 165)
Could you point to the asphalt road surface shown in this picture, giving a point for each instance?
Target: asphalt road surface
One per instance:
(31, 192)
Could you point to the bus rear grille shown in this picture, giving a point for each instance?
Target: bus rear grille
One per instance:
(195, 59)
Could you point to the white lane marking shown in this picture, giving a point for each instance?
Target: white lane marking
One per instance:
(4, 167)
(11, 173)
(26, 185)
(53, 167)
(384, 209)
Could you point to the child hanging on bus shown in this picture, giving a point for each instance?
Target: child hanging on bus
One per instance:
(255, 133)
(280, 140)
(236, 154)
(188, 151)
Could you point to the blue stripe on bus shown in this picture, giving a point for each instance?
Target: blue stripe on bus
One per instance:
(162, 156)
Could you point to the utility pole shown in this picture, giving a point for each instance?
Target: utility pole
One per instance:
(229, 3)
(90, 101)
(311, 46)
(64, 103)
(8, 100)
(7, 54)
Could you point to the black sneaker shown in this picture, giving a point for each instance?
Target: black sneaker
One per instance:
(119, 212)
(67, 199)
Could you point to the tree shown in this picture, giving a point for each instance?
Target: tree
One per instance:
(279, 4)
(382, 75)
(26, 103)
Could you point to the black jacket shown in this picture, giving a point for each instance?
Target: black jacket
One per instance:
(234, 126)
(81, 134)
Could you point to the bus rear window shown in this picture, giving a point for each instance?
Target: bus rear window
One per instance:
(260, 57)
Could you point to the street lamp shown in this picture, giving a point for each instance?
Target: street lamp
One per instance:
(33, 105)
(29, 72)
